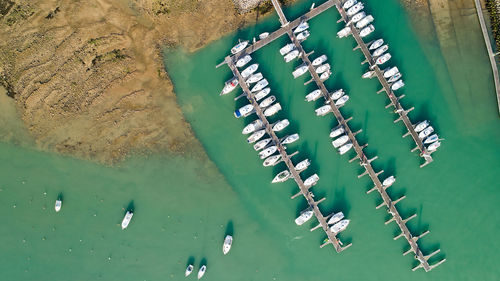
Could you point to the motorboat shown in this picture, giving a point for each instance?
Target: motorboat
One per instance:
(397, 85)
(254, 78)
(319, 60)
(302, 165)
(252, 127)
(260, 85)
(347, 4)
(323, 110)
(340, 141)
(380, 50)
(342, 100)
(340, 226)
(271, 160)
(229, 86)
(243, 61)
(314, 95)
(364, 22)
(337, 131)
(267, 101)
(422, 125)
(388, 181)
(391, 71)
(383, 58)
(263, 35)
(336, 218)
(322, 68)
(239, 47)
(256, 136)
(312, 180)
(357, 17)
(299, 71)
(304, 216)
(431, 139)
(261, 144)
(325, 75)
(244, 111)
(394, 77)
(346, 147)
(337, 94)
(58, 205)
(273, 109)
(228, 241)
(287, 49)
(433, 146)
(367, 30)
(427, 131)
(262, 93)
(126, 220)
(346, 31)
(354, 9)
(249, 70)
(375, 44)
(268, 151)
(290, 56)
(368, 74)
(202, 271)
(301, 27)
(282, 176)
(189, 270)
(303, 35)
(279, 126)
(290, 139)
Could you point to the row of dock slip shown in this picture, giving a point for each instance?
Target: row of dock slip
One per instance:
(358, 24)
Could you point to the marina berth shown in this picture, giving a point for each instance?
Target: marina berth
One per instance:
(349, 3)
(366, 31)
(229, 86)
(380, 50)
(340, 226)
(256, 136)
(282, 176)
(389, 181)
(243, 61)
(369, 74)
(422, 125)
(425, 132)
(391, 72)
(337, 94)
(394, 77)
(431, 139)
(299, 71)
(290, 56)
(261, 144)
(267, 101)
(340, 141)
(336, 218)
(244, 111)
(302, 165)
(273, 109)
(383, 59)
(290, 139)
(314, 95)
(287, 49)
(239, 47)
(337, 131)
(254, 78)
(304, 216)
(323, 110)
(342, 100)
(303, 35)
(281, 125)
(272, 160)
(263, 35)
(319, 60)
(433, 146)
(364, 22)
(397, 85)
(268, 151)
(357, 17)
(260, 85)
(303, 26)
(252, 127)
(325, 75)
(375, 44)
(346, 147)
(322, 68)
(262, 93)
(346, 31)
(355, 9)
(249, 70)
(312, 180)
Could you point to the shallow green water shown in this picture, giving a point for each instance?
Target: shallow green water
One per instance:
(185, 206)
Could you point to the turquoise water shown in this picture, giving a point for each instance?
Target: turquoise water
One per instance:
(185, 206)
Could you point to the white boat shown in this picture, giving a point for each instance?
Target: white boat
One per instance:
(249, 70)
(422, 125)
(342, 100)
(201, 272)
(323, 110)
(354, 9)
(395, 77)
(337, 131)
(256, 136)
(303, 35)
(243, 61)
(239, 47)
(304, 216)
(287, 49)
(397, 85)
(364, 21)
(367, 30)
(340, 226)
(433, 146)
(357, 17)
(262, 93)
(383, 59)
(271, 160)
(391, 71)
(380, 50)
(336, 218)
(299, 71)
(431, 139)
(229, 86)
(319, 60)
(312, 180)
(126, 220)
(263, 35)
(252, 127)
(290, 139)
(254, 78)
(260, 85)
(244, 111)
(282, 176)
(189, 270)
(340, 141)
(58, 205)
(322, 68)
(228, 241)
(337, 94)
(346, 31)
(368, 74)
(268, 151)
(290, 56)
(375, 44)
(346, 147)
(389, 181)
(325, 75)
(279, 126)
(302, 165)
(301, 27)
(427, 131)
(314, 95)
(267, 101)
(347, 4)
(261, 144)
(272, 109)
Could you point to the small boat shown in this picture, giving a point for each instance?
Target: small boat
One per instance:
(433, 146)
(377, 43)
(422, 125)
(244, 111)
(397, 85)
(252, 127)
(346, 147)
(261, 144)
(272, 109)
(354, 9)
(346, 31)
(325, 75)
(249, 70)
(368, 74)
(290, 139)
(256, 136)
(389, 181)
(323, 110)
(340, 226)
(337, 94)
(303, 35)
(58, 205)
(357, 17)
(271, 160)
(201, 272)
(254, 78)
(267, 101)
(304, 216)
(260, 85)
(319, 60)
(314, 95)
(312, 180)
(229, 86)
(126, 220)
(322, 68)
(239, 47)
(262, 93)
(299, 71)
(279, 126)
(364, 21)
(189, 270)
(336, 218)
(282, 176)
(342, 100)
(427, 131)
(383, 59)
(301, 27)
(287, 49)
(228, 241)
(347, 4)
(243, 61)
(290, 56)
(302, 165)
(337, 131)
(391, 71)
(340, 141)
(394, 77)
(268, 151)
(263, 35)
(367, 30)
(431, 139)
(380, 50)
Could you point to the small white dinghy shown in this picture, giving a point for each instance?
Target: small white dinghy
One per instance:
(58, 205)
(342, 100)
(433, 146)
(336, 218)
(268, 151)
(427, 131)
(262, 93)
(337, 94)
(290, 139)
(312, 180)
(377, 43)
(388, 181)
(256, 136)
(323, 110)
(391, 71)
(228, 241)
(287, 49)
(380, 50)
(252, 127)
(302, 165)
(355, 9)
(202, 271)
(314, 95)
(126, 220)
(364, 22)
(422, 125)
(301, 27)
(319, 60)
(337, 131)
(189, 270)
(281, 176)
(260, 85)
(261, 144)
(431, 139)
(243, 61)
(239, 47)
(383, 59)
(271, 160)
(346, 147)
(303, 35)
(273, 109)
(280, 125)
(290, 56)
(397, 85)
(340, 226)
(267, 101)
(299, 71)
(340, 141)
(304, 216)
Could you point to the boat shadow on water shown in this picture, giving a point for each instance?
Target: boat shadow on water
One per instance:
(130, 207)
(60, 196)
(229, 228)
